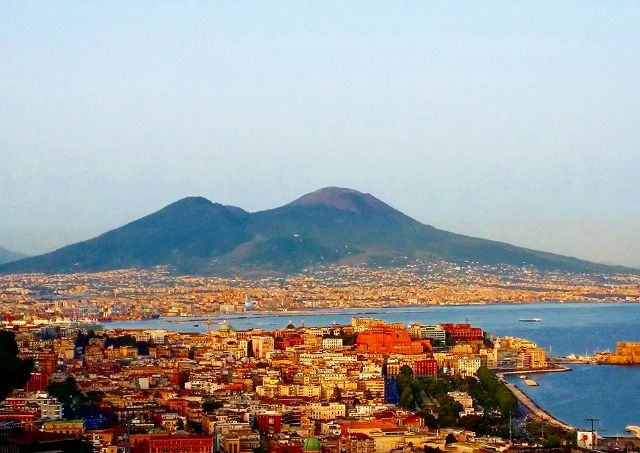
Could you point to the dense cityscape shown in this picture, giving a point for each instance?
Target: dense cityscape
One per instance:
(371, 386)
(365, 387)
(36, 299)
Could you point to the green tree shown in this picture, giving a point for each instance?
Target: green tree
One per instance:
(431, 421)
(211, 405)
(14, 371)
(407, 371)
(498, 391)
(68, 393)
(406, 397)
(552, 441)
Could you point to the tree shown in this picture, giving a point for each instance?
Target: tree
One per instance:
(14, 371)
(450, 439)
(431, 421)
(406, 397)
(180, 425)
(407, 371)
(72, 399)
(211, 405)
(552, 441)
(498, 391)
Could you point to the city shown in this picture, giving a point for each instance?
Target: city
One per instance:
(366, 387)
(319, 227)
(41, 299)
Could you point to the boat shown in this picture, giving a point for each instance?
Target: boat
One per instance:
(522, 376)
(530, 320)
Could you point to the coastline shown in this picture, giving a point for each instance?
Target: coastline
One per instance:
(535, 410)
(559, 369)
(367, 310)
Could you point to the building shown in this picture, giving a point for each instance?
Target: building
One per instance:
(72, 427)
(269, 422)
(387, 339)
(181, 443)
(463, 332)
(50, 407)
(468, 366)
(311, 445)
(325, 411)
(426, 367)
(331, 343)
(262, 345)
(431, 332)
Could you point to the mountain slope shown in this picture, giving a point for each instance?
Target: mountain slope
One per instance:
(326, 226)
(6, 256)
(184, 234)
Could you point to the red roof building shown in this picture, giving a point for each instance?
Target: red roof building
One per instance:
(463, 332)
(384, 339)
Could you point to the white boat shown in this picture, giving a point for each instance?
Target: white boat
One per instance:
(530, 320)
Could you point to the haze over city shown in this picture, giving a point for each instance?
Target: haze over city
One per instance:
(510, 122)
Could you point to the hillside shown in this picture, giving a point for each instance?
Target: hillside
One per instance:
(331, 225)
(6, 256)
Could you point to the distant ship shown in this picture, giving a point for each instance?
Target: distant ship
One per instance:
(530, 320)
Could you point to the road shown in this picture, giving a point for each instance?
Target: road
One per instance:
(537, 411)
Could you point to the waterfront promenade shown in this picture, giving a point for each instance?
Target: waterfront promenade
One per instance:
(536, 411)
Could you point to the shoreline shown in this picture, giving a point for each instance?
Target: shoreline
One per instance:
(325, 311)
(535, 410)
(560, 369)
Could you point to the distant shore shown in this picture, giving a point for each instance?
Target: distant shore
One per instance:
(325, 311)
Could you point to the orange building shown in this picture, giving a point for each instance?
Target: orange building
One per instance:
(160, 443)
(387, 339)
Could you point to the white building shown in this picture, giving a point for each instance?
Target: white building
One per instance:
(331, 343)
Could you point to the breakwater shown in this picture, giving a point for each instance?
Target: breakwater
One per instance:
(536, 411)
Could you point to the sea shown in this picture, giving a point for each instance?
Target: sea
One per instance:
(608, 393)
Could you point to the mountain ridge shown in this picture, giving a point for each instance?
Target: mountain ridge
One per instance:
(329, 225)
(7, 256)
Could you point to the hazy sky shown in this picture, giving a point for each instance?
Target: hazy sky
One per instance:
(507, 120)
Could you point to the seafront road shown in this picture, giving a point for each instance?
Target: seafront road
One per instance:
(537, 411)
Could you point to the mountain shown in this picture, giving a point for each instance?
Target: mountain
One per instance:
(182, 234)
(6, 256)
(330, 225)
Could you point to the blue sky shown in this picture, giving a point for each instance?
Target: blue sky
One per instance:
(515, 121)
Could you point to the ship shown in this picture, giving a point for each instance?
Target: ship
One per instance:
(530, 320)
